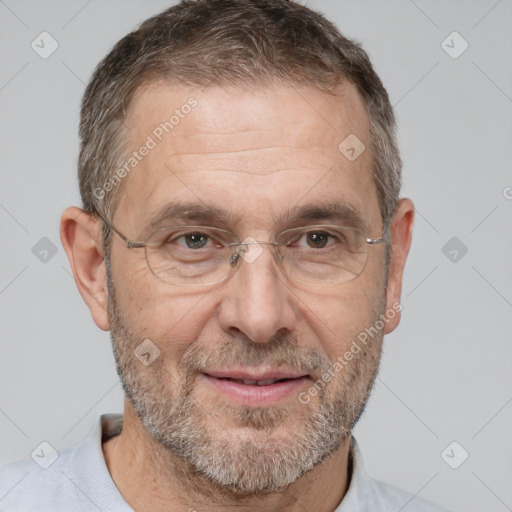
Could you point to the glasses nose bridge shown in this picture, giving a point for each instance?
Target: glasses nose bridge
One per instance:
(242, 247)
(249, 242)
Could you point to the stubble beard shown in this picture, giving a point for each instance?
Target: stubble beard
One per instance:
(242, 450)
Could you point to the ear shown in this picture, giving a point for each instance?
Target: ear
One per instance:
(401, 237)
(80, 237)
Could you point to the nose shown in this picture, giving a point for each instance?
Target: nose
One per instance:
(257, 299)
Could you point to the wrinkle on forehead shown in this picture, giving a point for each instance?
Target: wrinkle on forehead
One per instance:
(223, 113)
(289, 136)
(264, 161)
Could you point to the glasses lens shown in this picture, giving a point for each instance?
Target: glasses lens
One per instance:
(323, 255)
(200, 256)
(190, 255)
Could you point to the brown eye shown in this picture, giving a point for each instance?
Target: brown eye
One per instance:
(317, 239)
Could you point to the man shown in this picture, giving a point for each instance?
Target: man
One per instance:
(243, 240)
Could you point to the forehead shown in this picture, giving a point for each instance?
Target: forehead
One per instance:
(259, 152)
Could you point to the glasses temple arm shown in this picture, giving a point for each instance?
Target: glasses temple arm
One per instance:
(126, 240)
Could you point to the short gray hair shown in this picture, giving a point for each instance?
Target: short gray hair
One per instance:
(223, 43)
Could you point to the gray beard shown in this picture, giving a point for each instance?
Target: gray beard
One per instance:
(271, 447)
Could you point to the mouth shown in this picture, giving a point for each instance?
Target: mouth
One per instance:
(248, 382)
(256, 388)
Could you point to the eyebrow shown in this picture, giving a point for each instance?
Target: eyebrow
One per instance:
(185, 212)
(334, 211)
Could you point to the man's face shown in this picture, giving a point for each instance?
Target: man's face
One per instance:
(257, 155)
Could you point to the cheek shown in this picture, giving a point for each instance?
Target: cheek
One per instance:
(169, 316)
(337, 317)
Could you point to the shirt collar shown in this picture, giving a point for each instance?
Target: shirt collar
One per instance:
(361, 493)
(87, 470)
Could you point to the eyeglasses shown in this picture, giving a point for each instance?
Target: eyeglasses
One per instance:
(322, 255)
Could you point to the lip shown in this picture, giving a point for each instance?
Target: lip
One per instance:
(253, 375)
(253, 394)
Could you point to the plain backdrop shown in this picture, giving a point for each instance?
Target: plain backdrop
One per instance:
(446, 371)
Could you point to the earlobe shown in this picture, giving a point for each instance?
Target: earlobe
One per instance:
(80, 237)
(401, 237)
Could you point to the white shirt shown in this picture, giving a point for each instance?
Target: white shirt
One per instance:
(78, 480)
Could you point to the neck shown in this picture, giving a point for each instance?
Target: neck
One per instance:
(149, 477)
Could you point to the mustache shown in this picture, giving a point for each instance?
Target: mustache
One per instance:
(281, 351)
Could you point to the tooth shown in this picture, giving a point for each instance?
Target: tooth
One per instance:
(250, 381)
(266, 382)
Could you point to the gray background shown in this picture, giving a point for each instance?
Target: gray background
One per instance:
(446, 371)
